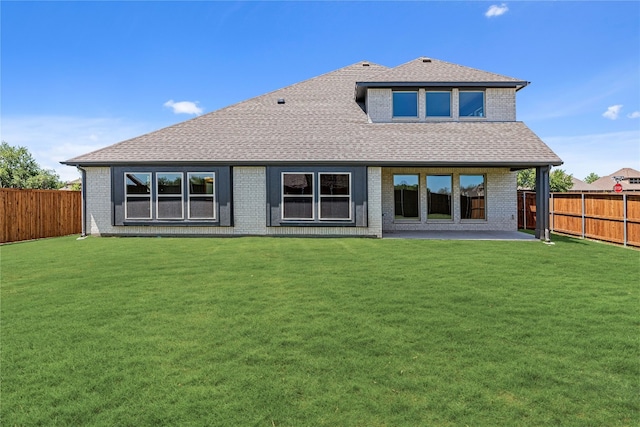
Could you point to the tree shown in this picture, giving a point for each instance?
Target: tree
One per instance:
(527, 179)
(18, 169)
(591, 178)
(559, 180)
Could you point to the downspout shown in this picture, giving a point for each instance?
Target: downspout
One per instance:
(83, 192)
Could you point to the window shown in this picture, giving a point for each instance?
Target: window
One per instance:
(297, 196)
(137, 195)
(439, 197)
(471, 104)
(202, 195)
(472, 197)
(406, 196)
(335, 195)
(169, 201)
(405, 104)
(634, 180)
(438, 104)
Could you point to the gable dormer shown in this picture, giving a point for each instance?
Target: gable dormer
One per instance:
(425, 90)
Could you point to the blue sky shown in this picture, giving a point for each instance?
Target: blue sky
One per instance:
(77, 76)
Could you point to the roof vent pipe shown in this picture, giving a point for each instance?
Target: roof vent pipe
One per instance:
(365, 64)
(426, 60)
(280, 100)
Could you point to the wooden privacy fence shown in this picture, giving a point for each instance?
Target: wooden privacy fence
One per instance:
(34, 214)
(601, 216)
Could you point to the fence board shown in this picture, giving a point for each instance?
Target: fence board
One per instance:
(34, 214)
(604, 215)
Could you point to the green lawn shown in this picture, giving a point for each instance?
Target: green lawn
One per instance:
(318, 332)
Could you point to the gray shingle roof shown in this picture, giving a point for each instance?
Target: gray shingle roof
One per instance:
(433, 70)
(321, 122)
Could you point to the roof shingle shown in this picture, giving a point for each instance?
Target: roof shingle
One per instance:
(321, 122)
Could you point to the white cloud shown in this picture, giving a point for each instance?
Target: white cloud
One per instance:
(184, 107)
(495, 10)
(634, 115)
(602, 153)
(612, 112)
(52, 139)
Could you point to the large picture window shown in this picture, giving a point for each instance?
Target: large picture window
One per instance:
(202, 195)
(438, 104)
(439, 197)
(297, 196)
(137, 192)
(405, 104)
(472, 197)
(335, 196)
(471, 103)
(169, 200)
(406, 197)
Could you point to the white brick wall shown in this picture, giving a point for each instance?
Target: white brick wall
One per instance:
(249, 196)
(500, 104)
(500, 203)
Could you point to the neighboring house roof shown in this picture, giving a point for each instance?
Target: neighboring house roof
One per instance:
(606, 183)
(579, 185)
(320, 121)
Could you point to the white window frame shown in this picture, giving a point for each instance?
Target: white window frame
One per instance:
(212, 195)
(321, 196)
(127, 195)
(311, 196)
(426, 110)
(160, 196)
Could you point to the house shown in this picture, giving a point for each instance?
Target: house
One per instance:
(581, 186)
(366, 149)
(629, 179)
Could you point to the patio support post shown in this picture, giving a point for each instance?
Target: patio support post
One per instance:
(542, 202)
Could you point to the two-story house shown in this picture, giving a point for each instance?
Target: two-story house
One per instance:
(366, 149)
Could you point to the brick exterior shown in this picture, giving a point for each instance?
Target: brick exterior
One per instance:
(500, 194)
(249, 198)
(500, 106)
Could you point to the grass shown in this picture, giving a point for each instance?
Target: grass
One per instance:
(318, 332)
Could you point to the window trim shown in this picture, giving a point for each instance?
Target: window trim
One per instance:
(311, 196)
(149, 195)
(160, 196)
(190, 196)
(417, 115)
(320, 196)
(484, 104)
(426, 109)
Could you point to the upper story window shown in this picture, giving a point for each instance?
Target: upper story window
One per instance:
(471, 103)
(405, 104)
(438, 104)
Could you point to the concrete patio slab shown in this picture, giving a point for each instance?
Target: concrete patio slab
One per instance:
(460, 235)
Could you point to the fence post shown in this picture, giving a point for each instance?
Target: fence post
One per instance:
(624, 213)
(524, 210)
(583, 217)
